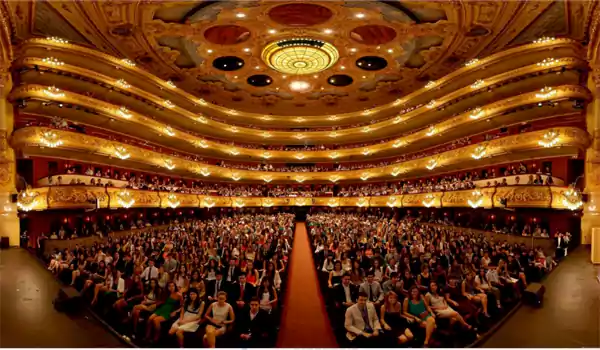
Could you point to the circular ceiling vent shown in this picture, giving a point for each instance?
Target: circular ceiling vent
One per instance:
(260, 80)
(228, 63)
(300, 56)
(371, 63)
(340, 80)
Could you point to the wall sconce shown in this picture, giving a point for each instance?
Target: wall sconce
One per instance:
(398, 143)
(299, 156)
(333, 203)
(367, 129)
(202, 120)
(572, 199)
(201, 101)
(391, 202)
(50, 139)
(430, 84)
(128, 62)
(299, 136)
(125, 199)
(396, 171)
(205, 172)
(367, 112)
(169, 131)
(169, 164)
(333, 117)
(365, 176)
(300, 179)
(27, 200)
(234, 152)
(550, 139)
(266, 117)
(171, 84)
(299, 120)
(201, 143)
(209, 202)
(362, 202)
(267, 179)
(300, 202)
(124, 112)
(431, 164)
(472, 62)
(544, 39)
(431, 104)
(233, 129)
(397, 102)
(266, 135)
(123, 84)
(238, 203)
(168, 104)
(476, 113)
(267, 203)
(334, 155)
(335, 178)
(51, 61)
(121, 152)
(235, 177)
(333, 135)
(57, 40)
(54, 92)
(266, 155)
(547, 62)
(366, 152)
(479, 152)
(172, 200)
(476, 199)
(477, 84)
(429, 200)
(398, 120)
(431, 131)
(545, 93)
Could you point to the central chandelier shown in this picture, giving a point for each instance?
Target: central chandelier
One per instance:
(300, 56)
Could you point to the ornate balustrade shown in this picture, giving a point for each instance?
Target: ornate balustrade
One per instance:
(72, 197)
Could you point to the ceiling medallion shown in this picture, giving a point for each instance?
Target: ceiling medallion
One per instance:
(299, 56)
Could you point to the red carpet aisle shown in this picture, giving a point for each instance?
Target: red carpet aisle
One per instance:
(304, 323)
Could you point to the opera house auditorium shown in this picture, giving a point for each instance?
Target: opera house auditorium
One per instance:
(300, 174)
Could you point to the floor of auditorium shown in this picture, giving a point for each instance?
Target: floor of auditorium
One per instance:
(27, 315)
(569, 316)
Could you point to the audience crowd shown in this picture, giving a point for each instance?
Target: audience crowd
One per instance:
(217, 280)
(390, 282)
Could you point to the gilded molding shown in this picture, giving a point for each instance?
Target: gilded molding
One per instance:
(568, 142)
(72, 197)
(223, 112)
(491, 111)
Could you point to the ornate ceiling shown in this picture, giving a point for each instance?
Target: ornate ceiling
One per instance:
(300, 58)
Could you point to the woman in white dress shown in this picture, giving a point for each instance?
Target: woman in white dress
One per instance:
(220, 315)
(438, 304)
(191, 315)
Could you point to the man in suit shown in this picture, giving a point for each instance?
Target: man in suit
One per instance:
(252, 325)
(372, 289)
(362, 323)
(241, 292)
(214, 287)
(231, 271)
(345, 293)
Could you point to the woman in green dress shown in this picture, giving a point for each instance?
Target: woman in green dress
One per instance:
(167, 309)
(416, 308)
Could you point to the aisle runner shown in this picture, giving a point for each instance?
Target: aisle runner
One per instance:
(305, 323)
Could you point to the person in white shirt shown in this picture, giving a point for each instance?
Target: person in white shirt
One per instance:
(149, 272)
(361, 322)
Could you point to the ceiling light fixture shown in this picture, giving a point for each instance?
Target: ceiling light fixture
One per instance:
(121, 152)
(546, 93)
(171, 84)
(169, 164)
(272, 31)
(54, 92)
(201, 143)
(299, 85)
(124, 112)
(240, 15)
(476, 113)
(53, 61)
(334, 155)
(168, 104)
(327, 31)
(266, 155)
(359, 15)
(477, 84)
(431, 104)
(431, 164)
(266, 135)
(123, 84)
(299, 156)
(169, 131)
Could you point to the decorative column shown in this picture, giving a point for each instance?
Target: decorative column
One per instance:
(591, 210)
(9, 220)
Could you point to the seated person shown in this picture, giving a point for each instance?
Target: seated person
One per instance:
(166, 309)
(220, 316)
(252, 325)
(394, 322)
(214, 287)
(114, 285)
(475, 294)
(440, 307)
(267, 295)
(148, 304)
(373, 289)
(416, 308)
(190, 317)
(361, 322)
(393, 284)
(133, 295)
(345, 293)
(241, 292)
